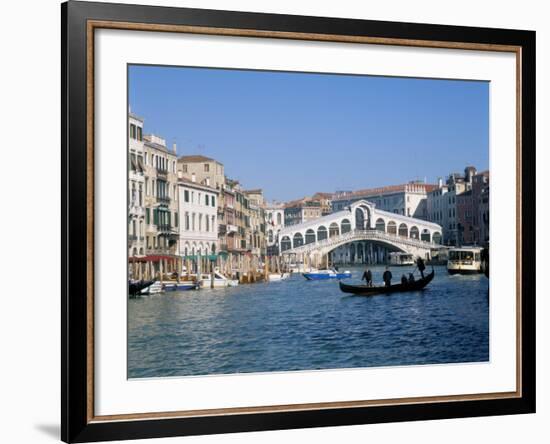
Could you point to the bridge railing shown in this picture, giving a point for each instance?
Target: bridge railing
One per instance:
(361, 235)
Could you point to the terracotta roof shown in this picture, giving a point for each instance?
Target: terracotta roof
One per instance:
(196, 158)
(187, 181)
(386, 190)
(321, 195)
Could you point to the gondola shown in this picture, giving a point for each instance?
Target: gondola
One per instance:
(363, 290)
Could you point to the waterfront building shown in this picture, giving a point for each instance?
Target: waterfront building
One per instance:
(136, 184)
(325, 202)
(302, 210)
(257, 214)
(235, 227)
(480, 207)
(203, 170)
(198, 207)
(275, 215)
(437, 205)
(161, 197)
(408, 199)
(456, 207)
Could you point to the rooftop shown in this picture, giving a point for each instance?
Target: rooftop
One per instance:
(421, 187)
(186, 181)
(196, 158)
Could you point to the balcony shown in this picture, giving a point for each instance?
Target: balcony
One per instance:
(162, 172)
(163, 199)
(232, 229)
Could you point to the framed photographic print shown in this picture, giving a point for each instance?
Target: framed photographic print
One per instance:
(275, 221)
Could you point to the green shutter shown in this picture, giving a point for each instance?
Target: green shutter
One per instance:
(147, 216)
(155, 216)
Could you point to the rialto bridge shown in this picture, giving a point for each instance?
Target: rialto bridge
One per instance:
(359, 232)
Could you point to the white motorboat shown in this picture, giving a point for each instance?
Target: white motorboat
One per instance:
(275, 277)
(465, 260)
(219, 281)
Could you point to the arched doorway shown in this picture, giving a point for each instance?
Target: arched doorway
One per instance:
(414, 234)
(392, 227)
(333, 230)
(380, 225)
(310, 236)
(436, 237)
(322, 233)
(403, 230)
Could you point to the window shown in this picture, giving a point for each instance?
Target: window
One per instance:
(207, 223)
(176, 219)
(213, 201)
(147, 216)
(139, 133)
(206, 199)
(184, 168)
(206, 168)
(132, 131)
(186, 195)
(186, 220)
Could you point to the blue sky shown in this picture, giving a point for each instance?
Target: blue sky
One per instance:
(293, 134)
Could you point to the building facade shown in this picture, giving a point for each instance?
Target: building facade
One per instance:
(198, 207)
(408, 199)
(161, 197)
(136, 187)
(203, 170)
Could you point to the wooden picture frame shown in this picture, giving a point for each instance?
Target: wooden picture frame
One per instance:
(79, 22)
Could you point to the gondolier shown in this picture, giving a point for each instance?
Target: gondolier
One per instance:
(421, 266)
(367, 277)
(387, 277)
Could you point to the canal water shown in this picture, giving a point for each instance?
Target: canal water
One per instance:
(304, 325)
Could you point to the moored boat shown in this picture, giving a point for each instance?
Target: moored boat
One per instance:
(180, 286)
(275, 277)
(326, 274)
(364, 290)
(401, 259)
(465, 260)
(219, 281)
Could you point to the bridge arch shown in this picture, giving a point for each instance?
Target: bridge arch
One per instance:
(333, 229)
(322, 233)
(425, 235)
(310, 236)
(285, 243)
(392, 227)
(297, 240)
(403, 230)
(436, 237)
(414, 233)
(345, 226)
(381, 224)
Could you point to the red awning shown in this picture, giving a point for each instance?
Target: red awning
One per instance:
(152, 258)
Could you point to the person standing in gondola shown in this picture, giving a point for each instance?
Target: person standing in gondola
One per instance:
(387, 277)
(421, 266)
(367, 277)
